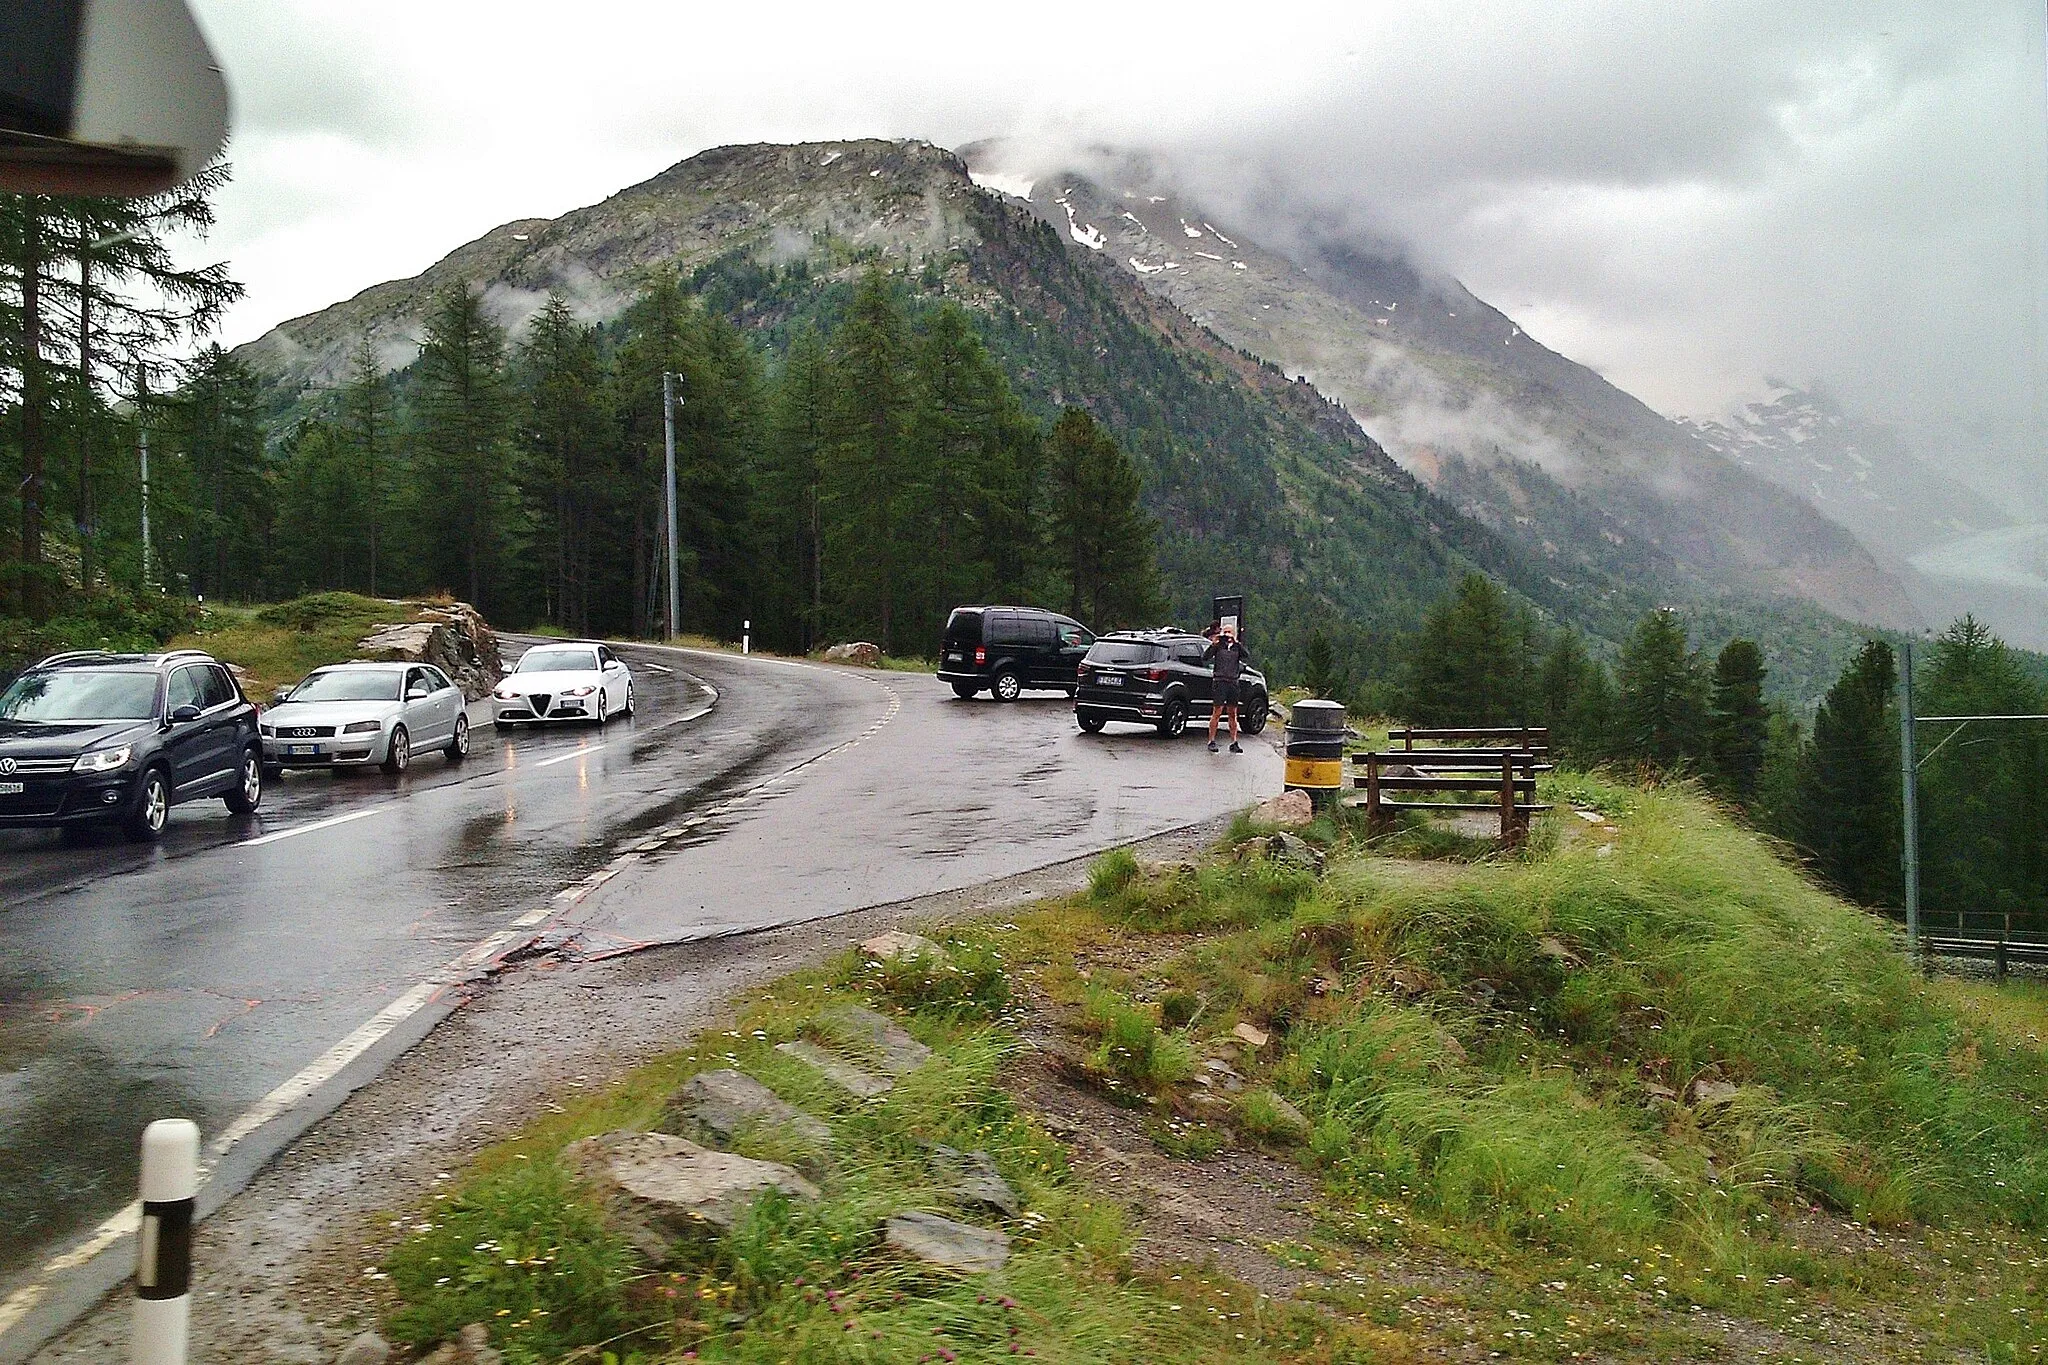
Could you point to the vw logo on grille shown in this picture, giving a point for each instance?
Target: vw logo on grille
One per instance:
(6, 767)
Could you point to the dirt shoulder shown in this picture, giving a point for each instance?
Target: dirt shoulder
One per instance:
(278, 1275)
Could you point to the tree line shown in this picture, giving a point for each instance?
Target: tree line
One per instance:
(1832, 790)
(860, 479)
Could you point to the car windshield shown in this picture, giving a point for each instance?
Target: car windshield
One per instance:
(557, 661)
(1124, 652)
(79, 694)
(350, 684)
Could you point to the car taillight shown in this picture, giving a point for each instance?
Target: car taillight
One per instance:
(1157, 675)
(1080, 670)
(980, 654)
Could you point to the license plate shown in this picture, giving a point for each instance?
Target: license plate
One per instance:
(1110, 679)
(307, 749)
(11, 789)
(952, 658)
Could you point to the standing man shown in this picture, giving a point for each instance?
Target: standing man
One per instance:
(1226, 657)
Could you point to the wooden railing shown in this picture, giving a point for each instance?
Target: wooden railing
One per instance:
(1507, 774)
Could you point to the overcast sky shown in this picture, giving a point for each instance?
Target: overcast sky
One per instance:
(1689, 198)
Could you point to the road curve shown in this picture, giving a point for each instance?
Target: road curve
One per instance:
(198, 977)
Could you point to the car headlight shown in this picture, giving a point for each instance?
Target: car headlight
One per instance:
(506, 694)
(268, 732)
(362, 727)
(104, 760)
(578, 691)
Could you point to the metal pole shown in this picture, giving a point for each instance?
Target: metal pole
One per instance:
(163, 1244)
(1909, 800)
(668, 425)
(142, 441)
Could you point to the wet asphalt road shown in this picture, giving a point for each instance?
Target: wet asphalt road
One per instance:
(193, 977)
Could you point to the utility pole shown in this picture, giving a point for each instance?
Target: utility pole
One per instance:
(1909, 799)
(668, 425)
(142, 445)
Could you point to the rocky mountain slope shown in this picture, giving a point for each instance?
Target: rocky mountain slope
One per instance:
(1261, 482)
(1520, 437)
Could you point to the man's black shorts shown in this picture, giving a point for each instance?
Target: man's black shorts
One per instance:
(1225, 692)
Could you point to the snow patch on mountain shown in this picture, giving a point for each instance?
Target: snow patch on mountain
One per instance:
(1015, 186)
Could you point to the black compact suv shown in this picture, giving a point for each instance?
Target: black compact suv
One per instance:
(1009, 649)
(1157, 678)
(91, 737)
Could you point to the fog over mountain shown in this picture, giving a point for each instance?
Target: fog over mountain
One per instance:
(1687, 199)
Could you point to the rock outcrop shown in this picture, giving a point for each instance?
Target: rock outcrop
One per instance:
(723, 1104)
(943, 1242)
(452, 636)
(655, 1188)
(859, 653)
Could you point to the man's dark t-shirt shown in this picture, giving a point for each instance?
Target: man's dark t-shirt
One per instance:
(1226, 659)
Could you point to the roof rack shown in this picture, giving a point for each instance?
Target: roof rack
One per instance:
(185, 653)
(70, 654)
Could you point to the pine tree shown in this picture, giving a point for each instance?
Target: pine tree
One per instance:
(563, 443)
(216, 436)
(366, 436)
(1740, 727)
(1578, 699)
(1847, 811)
(864, 465)
(1470, 664)
(1320, 674)
(1661, 714)
(791, 490)
(1101, 538)
(459, 434)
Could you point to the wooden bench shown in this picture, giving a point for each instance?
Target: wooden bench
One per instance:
(1507, 774)
(1519, 738)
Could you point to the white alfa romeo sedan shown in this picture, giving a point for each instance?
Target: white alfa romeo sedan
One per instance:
(353, 715)
(575, 680)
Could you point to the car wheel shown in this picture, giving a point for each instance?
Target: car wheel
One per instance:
(1252, 719)
(1007, 686)
(248, 792)
(965, 691)
(604, 710)
(629, 701)
(458, 747)
(399, 756)
(151, 810)
(1090, 722)
(1175, 718)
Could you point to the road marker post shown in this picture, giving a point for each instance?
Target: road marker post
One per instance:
(746, 637)
(163, 1244)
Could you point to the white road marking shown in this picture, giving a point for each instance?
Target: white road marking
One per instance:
(294, 1091)
(329, 823)
(703, 710)
(564, 758)
(657, 668)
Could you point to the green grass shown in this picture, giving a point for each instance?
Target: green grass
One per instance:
(1499, 1063)
(282, 643)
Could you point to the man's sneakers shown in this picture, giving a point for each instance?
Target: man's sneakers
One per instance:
(1234, 747)
(1212, 747)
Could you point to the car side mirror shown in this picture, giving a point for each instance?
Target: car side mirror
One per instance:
(418, 691)
(283, 695)
(184, 714)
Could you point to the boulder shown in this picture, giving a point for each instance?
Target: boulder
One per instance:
(472, 1346)
(896, 943)
(655, 1188)
(1708, 1094)
(837, 1070)
(1291, 850)
(452, 636)
(943, 1242)
(1252, 1035)
(1286, 1122)
(724, 1103)
(1288, 810)
(973, 1181)
(900, 1053)
(367, 1349)
(859, 653)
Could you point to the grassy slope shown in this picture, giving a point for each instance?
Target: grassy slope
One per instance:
(282, 643)
(1498, 1073)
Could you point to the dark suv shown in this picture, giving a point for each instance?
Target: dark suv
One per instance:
(1157, 678)
(1007, 649)
(91, 737)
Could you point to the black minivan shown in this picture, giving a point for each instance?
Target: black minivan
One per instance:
(1009, 649)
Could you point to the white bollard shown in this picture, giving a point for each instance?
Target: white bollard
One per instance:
(746, 637)
(163, 1245)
